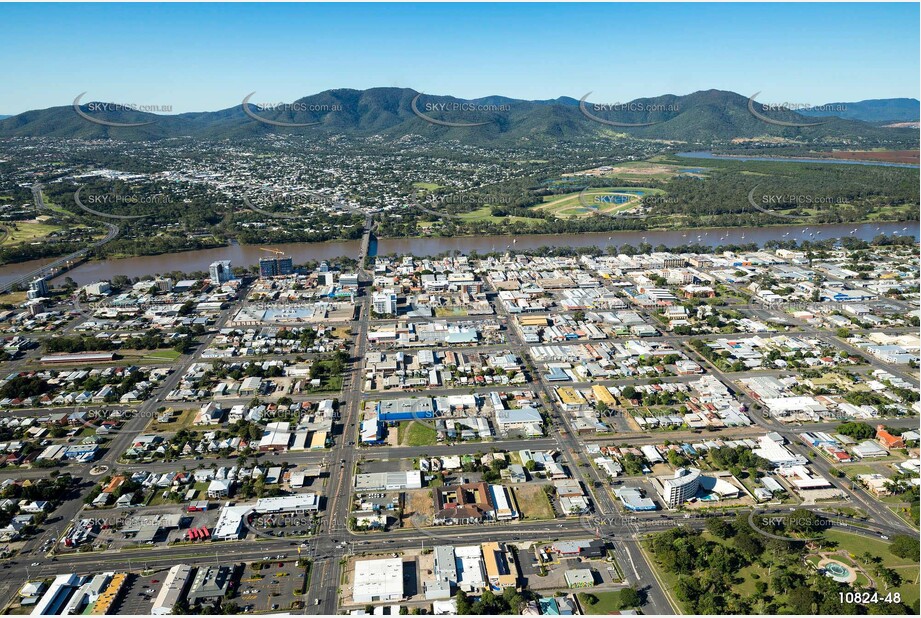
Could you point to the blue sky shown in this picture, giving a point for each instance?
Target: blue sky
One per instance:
(197, 57)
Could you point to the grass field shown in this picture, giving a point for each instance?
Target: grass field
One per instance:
(181, 420)
(166, 354)
(485, 214)
(413, 433)
(23, 231)
(857, 545)
(52, 206)
(533, 503)
(608, 603)
(653, 169)
(600, 200)
(427, 186)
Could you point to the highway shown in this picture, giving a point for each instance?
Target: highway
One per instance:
(52, 268)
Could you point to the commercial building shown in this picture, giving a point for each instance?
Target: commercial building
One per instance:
(405, 409)
(275, 267)
(391, 481)
(501, 568)
(230, 523)
(210, 584)
(173, 589)
(384, 303)
(220, 272)
(471, 576)
(633, 499)
(58, 593)
(579, 578)
(378, 580)
(681, 487)
(297, 503)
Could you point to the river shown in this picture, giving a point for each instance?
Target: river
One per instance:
(709, 155)
(189, 261)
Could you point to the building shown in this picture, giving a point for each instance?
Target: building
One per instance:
(405, 409)
(58, 593)
(229, 524)
(378, 580)
(384, 303)
(579, 578)
(681, 487)
(297, 503)
(633, 499)
(869, 449)
(390, 481)
(210, 585)
(444, 572)
(501, 568)
(38, 288)
(464, 504)
(471, 576)
(887, 440)
(586, 548)
(275, 267)
(220, 272)
(172, 590)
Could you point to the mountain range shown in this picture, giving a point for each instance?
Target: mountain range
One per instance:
(872, 110)
(701, 117)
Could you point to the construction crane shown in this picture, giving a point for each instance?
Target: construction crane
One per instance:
(275, 251)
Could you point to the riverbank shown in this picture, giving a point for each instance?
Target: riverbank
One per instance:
(241, 255)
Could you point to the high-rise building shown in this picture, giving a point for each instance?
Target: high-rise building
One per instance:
(384, 303)
(38, 288)
(220, 271)
(681, 487)
(275, 267)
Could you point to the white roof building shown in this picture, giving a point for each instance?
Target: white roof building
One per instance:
(378, 580)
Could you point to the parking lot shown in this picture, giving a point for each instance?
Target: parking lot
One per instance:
(274, 587)
(139, 593)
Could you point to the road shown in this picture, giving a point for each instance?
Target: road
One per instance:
(53, 267)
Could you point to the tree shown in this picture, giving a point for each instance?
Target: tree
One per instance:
(905, 546)
(720, 528)
(463, 602)
(858, 431)
(801, 600)
(629, 597)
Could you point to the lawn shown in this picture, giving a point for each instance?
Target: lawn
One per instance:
(413, 433)
(533, 502)
(485, 214)
(608, 603)
(181, 421)
(427, 186)
(23, 231)
(167, 354)
(328, 380)
(574, 204)
(856, 545)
